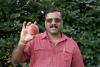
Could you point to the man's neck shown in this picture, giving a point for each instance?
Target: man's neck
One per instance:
(55, 38)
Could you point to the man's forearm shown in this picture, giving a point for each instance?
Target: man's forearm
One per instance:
(18, 52)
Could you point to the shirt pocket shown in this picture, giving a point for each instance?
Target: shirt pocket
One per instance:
(67, 55)
(42, 52)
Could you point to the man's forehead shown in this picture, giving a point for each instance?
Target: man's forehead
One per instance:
(53, 14)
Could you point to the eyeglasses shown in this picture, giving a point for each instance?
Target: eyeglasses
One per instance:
(55, 19)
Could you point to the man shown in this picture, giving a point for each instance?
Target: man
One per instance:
(49, 49)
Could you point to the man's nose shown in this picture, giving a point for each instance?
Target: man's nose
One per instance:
(53, 22)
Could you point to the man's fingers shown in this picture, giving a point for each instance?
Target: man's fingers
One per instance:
(24, 24)
(29, 23)
(35, 22)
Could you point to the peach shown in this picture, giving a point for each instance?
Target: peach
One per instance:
(32, 29)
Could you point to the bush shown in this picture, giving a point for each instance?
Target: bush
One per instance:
(81, 21)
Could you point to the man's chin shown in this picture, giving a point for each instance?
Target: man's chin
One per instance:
(54, 32)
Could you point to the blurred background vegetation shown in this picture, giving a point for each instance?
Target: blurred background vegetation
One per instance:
(81, 21)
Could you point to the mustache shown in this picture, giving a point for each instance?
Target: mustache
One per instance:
(53, 26)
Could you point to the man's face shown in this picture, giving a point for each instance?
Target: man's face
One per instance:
(53, 22)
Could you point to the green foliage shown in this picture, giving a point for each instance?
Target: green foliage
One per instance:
(81, 21)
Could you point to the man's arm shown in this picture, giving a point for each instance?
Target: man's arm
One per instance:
(77, 60)
(18, 52)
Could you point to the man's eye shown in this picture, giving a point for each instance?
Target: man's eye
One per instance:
(49, 20)
(57, 20)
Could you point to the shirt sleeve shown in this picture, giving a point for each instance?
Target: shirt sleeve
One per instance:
(77, 60)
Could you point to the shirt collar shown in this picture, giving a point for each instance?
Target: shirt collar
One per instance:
(45, 35)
